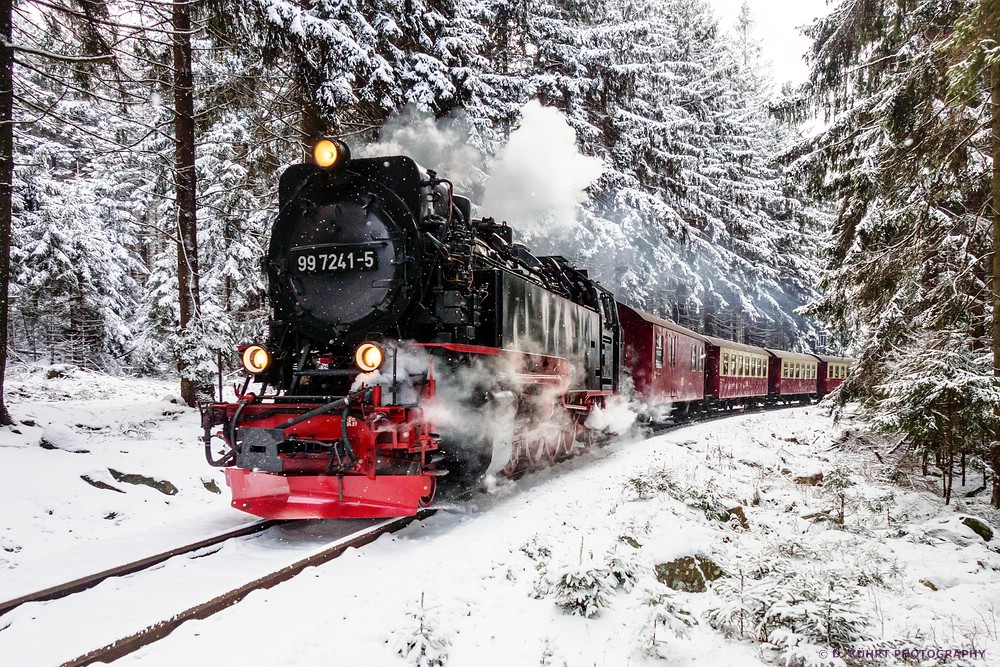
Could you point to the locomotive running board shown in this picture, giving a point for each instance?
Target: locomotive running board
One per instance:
(327, 496)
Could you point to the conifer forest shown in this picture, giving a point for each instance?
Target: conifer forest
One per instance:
(855, 214)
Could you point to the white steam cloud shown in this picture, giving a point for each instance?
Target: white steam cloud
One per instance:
(438, 144)
(536, 182)
(616, 417)
(540, 177)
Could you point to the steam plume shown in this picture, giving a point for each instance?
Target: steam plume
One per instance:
(540, 176)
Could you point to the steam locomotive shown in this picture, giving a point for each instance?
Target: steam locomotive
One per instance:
(409, 344)
(413, 348)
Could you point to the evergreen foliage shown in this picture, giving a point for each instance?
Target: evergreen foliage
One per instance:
(793, 606)
(691, 219)
(907, 156)
(625, 568)
(665, 617)
(95, 277)
(940, 397)
(421, 640)
(582, 588)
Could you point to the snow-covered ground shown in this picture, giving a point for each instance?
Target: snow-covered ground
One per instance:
(817, 546)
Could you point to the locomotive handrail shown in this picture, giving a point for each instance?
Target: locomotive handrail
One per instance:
(321, 410)
(327, 372)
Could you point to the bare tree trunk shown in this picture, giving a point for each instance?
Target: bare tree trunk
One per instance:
(949, 478)
(995, 148)
(6, 186)
(313, 128)
(948, 455)
(185, 183)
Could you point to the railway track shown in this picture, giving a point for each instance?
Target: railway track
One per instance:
(64, 625)
(89, 581)
(211, 585)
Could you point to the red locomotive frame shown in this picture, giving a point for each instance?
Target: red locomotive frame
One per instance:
(305, 486)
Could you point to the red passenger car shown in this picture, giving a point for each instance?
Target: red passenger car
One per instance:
(793, 376)
(737, 373)
(666, 361)
(831, 371)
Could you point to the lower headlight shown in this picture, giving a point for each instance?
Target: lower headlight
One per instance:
(368, 357)
(256, 359)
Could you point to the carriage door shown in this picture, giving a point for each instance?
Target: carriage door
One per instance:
(610, 342)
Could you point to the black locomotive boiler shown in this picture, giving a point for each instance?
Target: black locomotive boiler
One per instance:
(408, 343)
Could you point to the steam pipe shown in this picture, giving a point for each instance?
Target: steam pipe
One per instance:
(343, 436)
(226, 458)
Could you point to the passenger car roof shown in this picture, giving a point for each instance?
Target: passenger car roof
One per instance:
(666, 324)
(722, 342)
(794, 356)
(835, 360)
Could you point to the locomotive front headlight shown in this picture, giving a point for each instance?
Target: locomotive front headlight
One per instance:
(368, 357)
(256, 359)
(330, 152)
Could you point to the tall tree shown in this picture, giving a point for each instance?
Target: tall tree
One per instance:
(975, 48)
(908, 256)
(6, 184)
(185, 181)
(692, 205)
(84, 47)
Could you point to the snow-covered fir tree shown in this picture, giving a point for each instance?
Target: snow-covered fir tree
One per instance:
(908, 163)
(75, 263)
(691, 219)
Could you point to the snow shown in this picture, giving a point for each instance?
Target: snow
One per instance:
(495, 580)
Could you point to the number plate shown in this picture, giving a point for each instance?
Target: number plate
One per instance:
(333, 259)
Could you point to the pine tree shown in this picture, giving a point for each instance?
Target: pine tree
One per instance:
(691, 212)
(74, 277)
(6, 187)
(974, 45)
(85, 47)
(940, 396)
(906, 260)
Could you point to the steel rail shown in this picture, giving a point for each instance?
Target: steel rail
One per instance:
(157, 631)
(89, 581)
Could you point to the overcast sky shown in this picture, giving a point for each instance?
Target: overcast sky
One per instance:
(777, 23)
